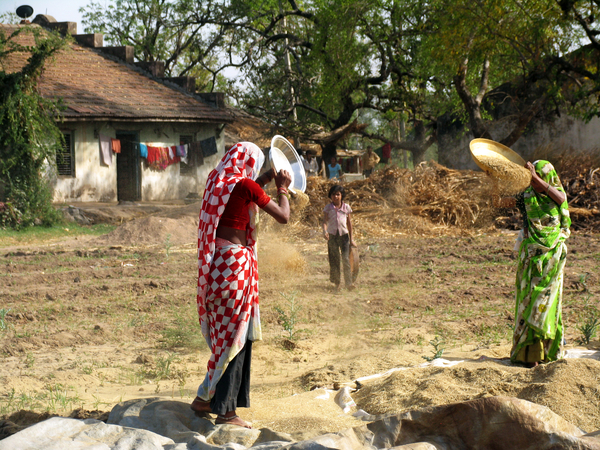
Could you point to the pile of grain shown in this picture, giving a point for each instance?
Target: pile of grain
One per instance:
(304, 415)
(568, 387)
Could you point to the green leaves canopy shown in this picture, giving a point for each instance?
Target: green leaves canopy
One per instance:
(313, 65)
(28, 133)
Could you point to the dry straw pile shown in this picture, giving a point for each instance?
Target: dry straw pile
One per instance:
(430, 199)
(580, 176)
(579, 173)
(433, 199)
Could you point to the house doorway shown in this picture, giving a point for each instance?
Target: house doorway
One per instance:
(129, 182)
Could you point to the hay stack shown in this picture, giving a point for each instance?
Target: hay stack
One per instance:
(451, 197)
(423, 201)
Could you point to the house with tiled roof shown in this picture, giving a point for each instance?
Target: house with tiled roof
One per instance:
(131, 106)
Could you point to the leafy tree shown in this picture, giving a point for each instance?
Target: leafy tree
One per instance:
(486, 54)
(579, 70)
(184, 34)
(342, 63)
(29, 136)
(314, 67)
(308, 67)
(9, 17)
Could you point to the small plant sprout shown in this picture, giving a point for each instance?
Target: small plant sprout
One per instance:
(288, 318)
(589, 327)
(168, 245)
(438, 349)
(29, 360)
(3, 313)
(583, 281)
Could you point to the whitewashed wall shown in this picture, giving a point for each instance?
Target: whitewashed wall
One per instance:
(96, 182)
(565, 133)
(93, 181)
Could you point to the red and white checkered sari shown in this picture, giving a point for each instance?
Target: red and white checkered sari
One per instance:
(227, 273)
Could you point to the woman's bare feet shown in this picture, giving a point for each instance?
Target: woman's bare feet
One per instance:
(531, 365)
(200, 406)
(231, 418)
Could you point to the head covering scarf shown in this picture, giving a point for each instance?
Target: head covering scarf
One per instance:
(542, 257)
(243, 160)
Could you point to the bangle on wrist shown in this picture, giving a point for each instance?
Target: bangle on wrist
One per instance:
(285, 194)
(547, 189)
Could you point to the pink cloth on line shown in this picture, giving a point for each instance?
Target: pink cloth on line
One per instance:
(105, 149)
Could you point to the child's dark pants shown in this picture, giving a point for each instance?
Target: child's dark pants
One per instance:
(339, 247)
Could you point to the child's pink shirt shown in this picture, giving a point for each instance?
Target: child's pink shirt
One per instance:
(337, 218)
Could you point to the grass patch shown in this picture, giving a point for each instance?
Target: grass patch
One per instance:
(36, 235)
(55, 398)
(183, 333)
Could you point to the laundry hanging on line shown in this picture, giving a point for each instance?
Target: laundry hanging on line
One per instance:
(143, 150)
(116, 145)
(105, 149)
(193, 154)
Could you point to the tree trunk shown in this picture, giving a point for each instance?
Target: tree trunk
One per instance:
(418, 156)
(473, 104)
(525, 117)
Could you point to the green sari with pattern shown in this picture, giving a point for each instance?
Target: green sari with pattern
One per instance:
(538, 333)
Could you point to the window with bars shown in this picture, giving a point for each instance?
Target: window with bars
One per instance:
(186, 169)
(65, 158)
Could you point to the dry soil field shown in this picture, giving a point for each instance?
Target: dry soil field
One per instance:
(87, 322)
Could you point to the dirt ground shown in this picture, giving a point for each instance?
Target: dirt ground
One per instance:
(88, 322)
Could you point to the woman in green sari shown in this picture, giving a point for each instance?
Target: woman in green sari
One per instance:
(538, 333)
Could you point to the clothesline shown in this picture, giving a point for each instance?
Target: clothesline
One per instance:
(160, 157)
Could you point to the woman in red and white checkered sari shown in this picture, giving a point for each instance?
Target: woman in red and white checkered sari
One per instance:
(228, 276)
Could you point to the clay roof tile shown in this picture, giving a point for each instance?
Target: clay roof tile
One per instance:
(96, 86)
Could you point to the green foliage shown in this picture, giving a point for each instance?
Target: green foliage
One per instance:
(162, 368)
(9, 17)
(288, 318)
(55, 398)
(583, 281)
(438, 349)
(185, 35)
(29, 135)
(317, 65)
(184, 333)
(3, 313)
(589, 327)
(168, 245)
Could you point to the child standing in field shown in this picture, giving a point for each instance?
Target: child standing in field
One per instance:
(337, 230)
